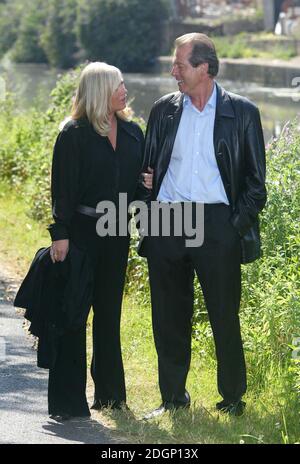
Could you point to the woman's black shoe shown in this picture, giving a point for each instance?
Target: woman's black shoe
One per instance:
(65, 417)
(60, 417)
(234, 409)
(98, 405)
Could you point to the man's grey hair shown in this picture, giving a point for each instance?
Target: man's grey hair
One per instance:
(203, 51)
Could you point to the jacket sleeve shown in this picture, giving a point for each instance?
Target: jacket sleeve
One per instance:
(141, 191)
(64, 182)
(253, 195)
(150, 153)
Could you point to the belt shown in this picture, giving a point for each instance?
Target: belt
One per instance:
(88, 211)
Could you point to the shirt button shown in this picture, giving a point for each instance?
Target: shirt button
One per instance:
(196, 172)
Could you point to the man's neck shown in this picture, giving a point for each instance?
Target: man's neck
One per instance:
(203, 94)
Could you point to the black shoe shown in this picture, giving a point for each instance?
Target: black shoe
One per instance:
(234, 409)
(164, 407)
(98, 405)
(60, 417)
(63, 417)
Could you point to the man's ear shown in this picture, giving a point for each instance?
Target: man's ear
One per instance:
(203, 68)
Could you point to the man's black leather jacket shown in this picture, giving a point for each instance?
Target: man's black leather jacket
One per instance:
(240, 154)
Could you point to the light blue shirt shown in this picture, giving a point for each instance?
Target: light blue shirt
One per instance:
(193, 173)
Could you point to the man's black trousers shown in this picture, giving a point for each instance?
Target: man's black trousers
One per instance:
(171, 271)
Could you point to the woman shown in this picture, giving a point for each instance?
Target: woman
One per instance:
(97, 155)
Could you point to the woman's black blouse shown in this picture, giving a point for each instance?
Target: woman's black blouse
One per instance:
(87, 170)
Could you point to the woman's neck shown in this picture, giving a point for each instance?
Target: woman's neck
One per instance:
(112, 118)
(113, 130)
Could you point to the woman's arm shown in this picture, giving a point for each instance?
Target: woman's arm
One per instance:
(64, 189)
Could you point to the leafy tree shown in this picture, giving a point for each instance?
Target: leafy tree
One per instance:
(59, 39)
(10, 17)
(126, 33)
(28, 47)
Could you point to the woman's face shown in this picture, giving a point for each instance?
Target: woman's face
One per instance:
(118, 98)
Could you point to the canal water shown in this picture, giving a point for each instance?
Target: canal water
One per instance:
(33, 83)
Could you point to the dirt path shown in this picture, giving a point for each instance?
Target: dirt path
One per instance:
(23, 386)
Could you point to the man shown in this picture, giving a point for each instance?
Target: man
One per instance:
(205, 145)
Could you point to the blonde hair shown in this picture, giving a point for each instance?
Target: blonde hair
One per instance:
(98, 81)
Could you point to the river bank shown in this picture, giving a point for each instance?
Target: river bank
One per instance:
(32, 84)
(268, 73)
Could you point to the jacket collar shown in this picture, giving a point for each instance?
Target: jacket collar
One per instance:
(224, 106)
(176, 105)
(127, 126)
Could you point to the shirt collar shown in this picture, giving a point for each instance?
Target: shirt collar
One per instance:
(212, 102)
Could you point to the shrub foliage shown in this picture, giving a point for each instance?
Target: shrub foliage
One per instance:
(126, 33)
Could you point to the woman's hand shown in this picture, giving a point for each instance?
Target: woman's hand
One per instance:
(148, 178)
(59, 250)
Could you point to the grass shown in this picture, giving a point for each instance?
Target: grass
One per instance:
(20, 236)
(270, 418)
(263, 422)
(227, 18)
(244, 46)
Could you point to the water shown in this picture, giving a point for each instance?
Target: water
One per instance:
(33, 83)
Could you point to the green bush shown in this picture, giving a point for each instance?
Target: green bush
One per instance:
(10, 17)
(58, 38)
(270, 310)
(243, 45)
(28, 48)
(124, 33)
(26, 150)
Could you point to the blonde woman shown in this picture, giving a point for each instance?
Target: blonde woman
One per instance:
(97, 155)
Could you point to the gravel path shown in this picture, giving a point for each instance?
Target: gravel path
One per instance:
(23, 388)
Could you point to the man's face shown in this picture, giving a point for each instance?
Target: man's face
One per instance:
(188, 78)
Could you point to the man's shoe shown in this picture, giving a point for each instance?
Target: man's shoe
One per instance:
(97, 405)
(164, 407)
(155, 413)
(234, 409)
